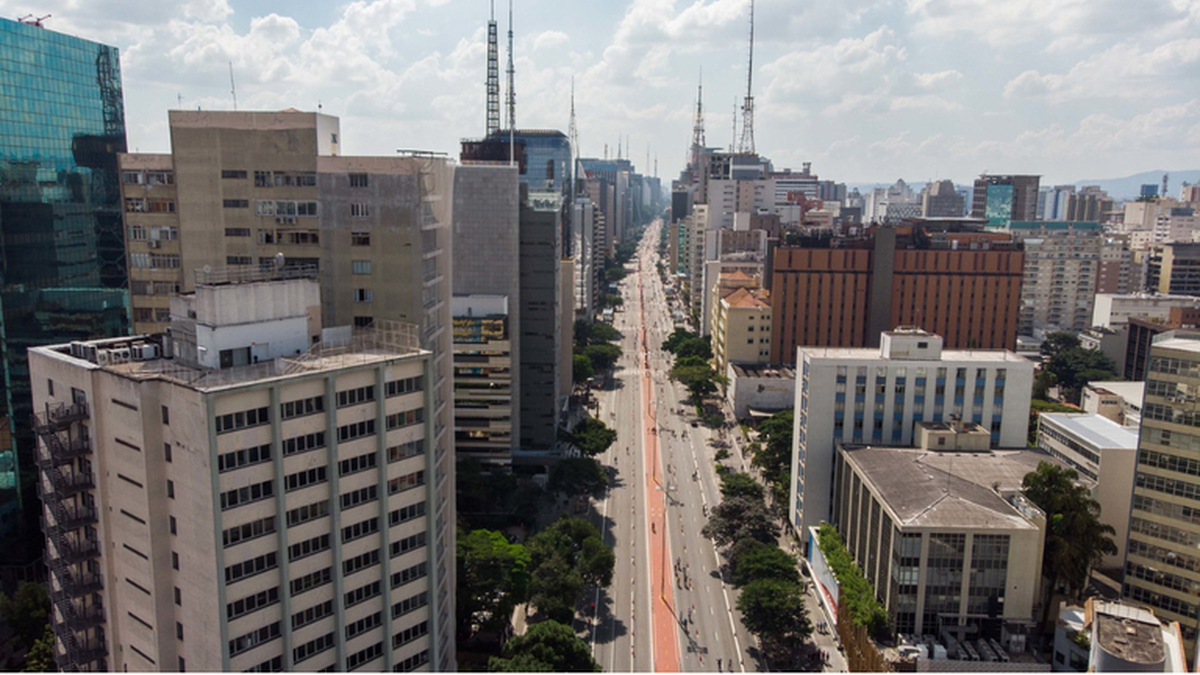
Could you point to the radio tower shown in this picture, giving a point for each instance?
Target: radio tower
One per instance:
(747, 144)
(573, 136)
(512, 94)
(493, 76)
(698, 127)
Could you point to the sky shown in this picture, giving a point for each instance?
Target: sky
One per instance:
(866, 90)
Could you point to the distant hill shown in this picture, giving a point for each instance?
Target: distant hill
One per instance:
(1130, 187)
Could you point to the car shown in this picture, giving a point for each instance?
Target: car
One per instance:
(695, 424)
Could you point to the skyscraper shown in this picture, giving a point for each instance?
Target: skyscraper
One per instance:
(63, 262)
(1003, 199)
(274, 516)
(1162, 568)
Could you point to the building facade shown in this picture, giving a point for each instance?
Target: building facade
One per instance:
(880, 394)
(965, 286)
(1003, 199)
(64, 272)
(742, 329)
(287, 514)
(1062, 268)
(483, 379)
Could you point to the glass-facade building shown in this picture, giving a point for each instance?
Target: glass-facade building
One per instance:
(62, 250)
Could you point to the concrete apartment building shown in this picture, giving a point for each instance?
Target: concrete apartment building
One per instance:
(541, 328)
(1118, 401)
(963, 285)
(742, 329)
(290, 511)
(1162, 569)
(941, 200)
(1117, 271)
(1140, 334)
(1114, 310)
(942, 532)
(878, 395)
(1062, 267)
(1105, 454)
(484, 395)
(1173, 268)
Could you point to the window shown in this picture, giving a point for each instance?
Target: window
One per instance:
(303, 514)
(251, 567)
(350, 432)
(364, 321)
(355, 396)
(359, 180)
(357, 464)
(362, 593)
(407, 544)
(404, 386)
(411, 574)
(233, 173)
(409, 634)
(407, 482)
(311, 581)
(247, 494)
(234, 260)
(240, 458)
(359, 530)
(242, 420)
(360, 210)
(308, 547)
(248, 531)
(171, 489)
(406, 450)
(361, 266)
(360, 562)
(310, 649)
(360, 238)
(302, 479)
(262, 179)
(360, 496)
(304, 443)
(178, 597)
(366, 655)
(131, 177)
(312, 614)
(405, 514)
(363, 295)
(236, 204)
(410, 604)
(172, 525)
(405, 418)
(306, 406)
(253, 639)
(174, 560)
(412, 663)
(167, 452)
(178, 630)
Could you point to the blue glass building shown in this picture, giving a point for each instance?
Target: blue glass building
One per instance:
(62, 247)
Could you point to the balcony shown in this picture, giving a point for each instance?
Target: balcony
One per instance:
(59, 417)
(68, 518)
(74, 553)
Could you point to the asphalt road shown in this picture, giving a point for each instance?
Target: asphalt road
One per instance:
(620, 631)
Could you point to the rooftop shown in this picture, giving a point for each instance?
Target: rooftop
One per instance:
(947, 489)
(1132, 634)
(1132, 392)
(745, 299)
(872, 354)
(762, 370)
(1095, 430)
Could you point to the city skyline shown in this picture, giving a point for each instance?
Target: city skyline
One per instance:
(864, 90)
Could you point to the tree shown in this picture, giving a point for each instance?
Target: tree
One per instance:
(612, 300)
(27, 611)
(690, 361)
(1036, 408)
(774, 611)
(1076, 540)
(677, 337)
(565, 557)
(577, 476)
(592, 437)
(1056, 342)
(752, 560)
(700, 380)
(547, 647)
(740, 485)
(695, 347)
(603, 356)
(774, 453)
(40, 657)
(493, 576)
(581, 369)
(594, 332)
(1073, 368)
(740, 518)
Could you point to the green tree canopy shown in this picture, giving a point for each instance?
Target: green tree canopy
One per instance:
(577, 476)
(592, 436)
(547, 647)
(565, 557)
(691, 361)
(694, 347)
(774, 611)
(603, 356)
(27, 611)
(774, 453)
(581, 369)
(493, 576)
(854, 589)
(40, 657)
(678, 337)
(738, 484)
(594, 332)
(752, 560)
(1076, 540)
(1056, 342)
(740, 518)
(1074, 368)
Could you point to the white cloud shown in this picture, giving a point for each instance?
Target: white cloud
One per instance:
(939, 80)
(1121, 71)
(550, 39)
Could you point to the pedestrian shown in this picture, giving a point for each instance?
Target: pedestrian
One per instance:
(718, 659)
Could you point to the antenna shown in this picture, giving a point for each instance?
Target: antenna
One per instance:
(747, 144)
(573, 136)
(733, 120)
(179, 97)
(698, 126)
(232, 86)
(512, 94)
(493, 75)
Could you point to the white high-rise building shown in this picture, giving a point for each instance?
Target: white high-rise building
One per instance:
(875, 396)
(247, 492)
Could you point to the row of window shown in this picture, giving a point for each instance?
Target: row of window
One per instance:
(243, 419)
(252, 603)
(364, 656)
(303, 514)
(312, 614)
(140, 232)
(360, 529)
(311, 581)
(140, 205)
(359, 497)
(285, 207)
(303, 549)
(369, 622)
(154, 261)
(360, 562)
(363, 593)
(302, 407)
(312, 648)
(240, 458)
(249, 568)
(253, 639)
(355, 396)
(247, 494)
(305, 478)
(150, 177)
(248, 531)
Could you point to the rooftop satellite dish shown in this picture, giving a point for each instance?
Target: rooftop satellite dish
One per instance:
(279, 260)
